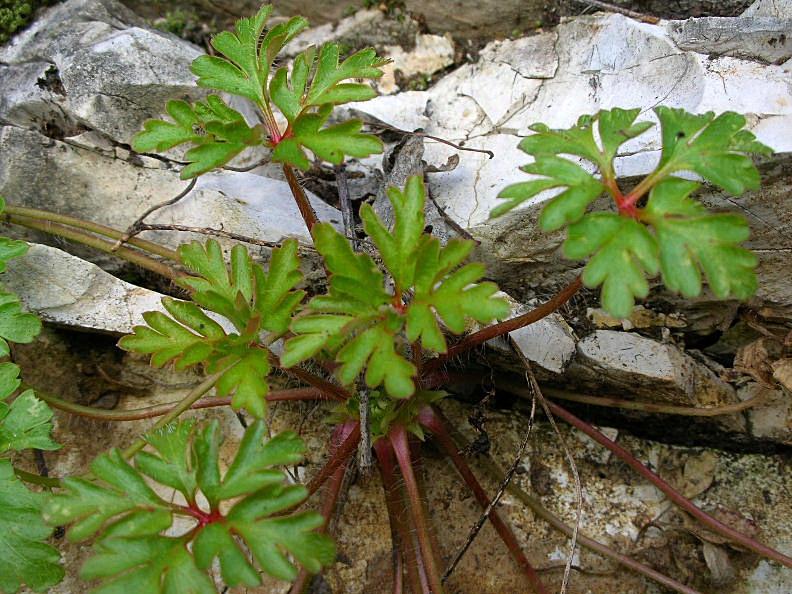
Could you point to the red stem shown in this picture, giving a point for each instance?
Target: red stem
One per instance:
(511, 325)
(432, 421)
(670, 492)
(334, 391)
(338, 457)
(401, 447)
(306, 210)
(331, 494)
(403, 550)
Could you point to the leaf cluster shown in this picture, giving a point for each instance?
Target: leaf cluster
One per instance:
(236, 518)
(365, 318)
(304, 94)
(252, 309)
(671, 234)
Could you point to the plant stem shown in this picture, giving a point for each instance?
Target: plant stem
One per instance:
(495, 330)
(330, 500)
(338, 457)
(148, 412)
(333, 391)
(102, 245)
(432, 420)
(401, 447)
(183, 405)
(676, 497)
(36, 479)
(404, 553)
(44, 215)
(306, 210)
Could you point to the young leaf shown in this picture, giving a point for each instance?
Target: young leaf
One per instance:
(360, 321)
(717, 148)
(133, 554)
(251, 299)
(25, 556)
(615, 127)
(331, 143)
(218, 133)
(623, 253)
(692, 240)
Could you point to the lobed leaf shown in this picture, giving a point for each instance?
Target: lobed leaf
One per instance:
(25, 557)
(361, 322)
(218, 133)
(329, 143)
(622, 253)
(693, 241)
(133, 553)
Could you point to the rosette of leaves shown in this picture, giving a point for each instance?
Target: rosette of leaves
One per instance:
(234, 517)
(304, 95)
(385, 412)
(670, 233)
(253, 309)
(367, 320)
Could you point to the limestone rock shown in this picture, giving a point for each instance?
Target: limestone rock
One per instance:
(65, 290)
(750, 37)
(632, 365)
(93, 64)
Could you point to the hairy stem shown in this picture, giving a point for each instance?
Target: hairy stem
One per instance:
(332, 390)
(44, 215)
(338, 457)
(183, 405)
(495, 330)
(674, 495)
(401, 447)
(306, 210)
(130, 255)
(404, 553)
(430, 419)
(331, 494)
(148, 412)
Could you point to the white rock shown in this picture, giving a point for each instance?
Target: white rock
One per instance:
(431, 54)
(633, 364)
(105, 72)
(66, 290)
(776, 8)
(549, 343)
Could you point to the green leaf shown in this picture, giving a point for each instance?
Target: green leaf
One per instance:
(16, 324)
(330, 143)
(246, 379)
(218, 133)
(188, 338)
(693, 241)
(361, 322)
(237, 69)
(623, 253)
(250, 298)
(615, 127)
(134, 555)
(10, 249)
(26, 424)
(716, 148)
(25, 556)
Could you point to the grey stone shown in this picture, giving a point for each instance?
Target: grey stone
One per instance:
(105, 72)
(112, 186)
(781, 9)
(762, 38)
(65, 290)
(632, 365)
